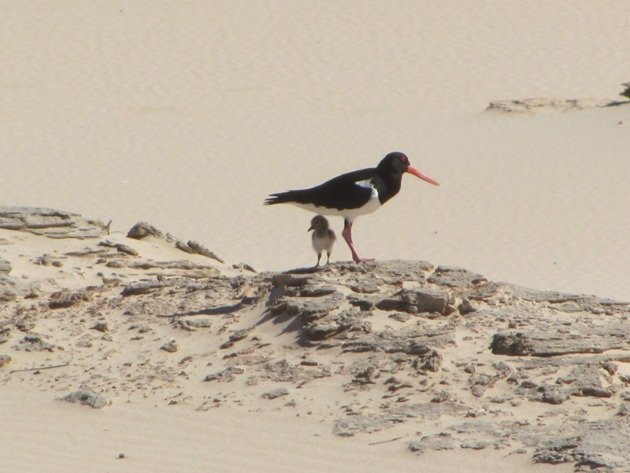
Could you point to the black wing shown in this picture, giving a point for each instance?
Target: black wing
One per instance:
(341, 192)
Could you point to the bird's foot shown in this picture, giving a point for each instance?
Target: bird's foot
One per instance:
(358, 259)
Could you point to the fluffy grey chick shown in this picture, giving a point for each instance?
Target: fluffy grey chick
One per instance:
(323, 237)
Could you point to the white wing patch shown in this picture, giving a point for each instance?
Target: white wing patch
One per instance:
(367, 183)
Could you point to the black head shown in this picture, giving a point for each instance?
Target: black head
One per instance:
(396, 164)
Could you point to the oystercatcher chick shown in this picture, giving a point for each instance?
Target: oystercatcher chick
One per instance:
(323, 237)
(354, 193)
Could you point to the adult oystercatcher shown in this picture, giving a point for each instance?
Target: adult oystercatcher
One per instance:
(354, 193)
(323, 238)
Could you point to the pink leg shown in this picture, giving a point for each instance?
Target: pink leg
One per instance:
(347, 235)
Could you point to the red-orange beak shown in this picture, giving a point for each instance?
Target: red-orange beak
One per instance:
(424, 177)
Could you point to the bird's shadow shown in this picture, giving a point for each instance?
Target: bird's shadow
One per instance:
(309, 270)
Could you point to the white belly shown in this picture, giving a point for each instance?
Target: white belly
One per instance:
(323, 243)
(370, 206)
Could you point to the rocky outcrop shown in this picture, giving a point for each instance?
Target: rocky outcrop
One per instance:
(50, 223)
(453, 356)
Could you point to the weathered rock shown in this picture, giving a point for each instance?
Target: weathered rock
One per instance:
(321, 330)
(4, 360)
(455, 277)
(289, 280)
(7, 295)
(88, 398)
(441, 396)
(442, 441)
(101, 326)
(50, 223)
(62, 299)
(135, 289)
(126, 249)
(475, 444)
(177, 264)
(245, 266)
(586, 380)
(557, 451)
(202, 250)
(401, 269)
(349, 426)
(555, 343)
(483, 292)
(193, 323)
(5, 266)
(225, 375)
(465, 307)
(140, 327)
(120, 247)
(400, 316)
(5, 333)
(551, 394)
(414, 301)
(34, 342)
(411, 342)
(310, 309)
(364, 285)
(180, 245)
(275, 393)
(316, 290)
(566, 302)
(345, 321)
(25, 325)
(599, 446)
(542, 104)
(171, 346)
(47, 260)
(365, 303)
(143, 229)
(280, 371)
(431, 361)
(239, 334)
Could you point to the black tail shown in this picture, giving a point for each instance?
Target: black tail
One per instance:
(284, 198)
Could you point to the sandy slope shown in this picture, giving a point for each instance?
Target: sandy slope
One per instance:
(161, 439)
(189, 116)
(196, 362)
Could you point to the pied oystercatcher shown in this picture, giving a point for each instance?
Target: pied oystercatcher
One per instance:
(354, 193)
(323, 237)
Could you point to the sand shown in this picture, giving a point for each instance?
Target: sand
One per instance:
(188, 115)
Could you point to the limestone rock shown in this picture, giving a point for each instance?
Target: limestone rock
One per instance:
(49, 222)
(63, 299)
(202, 250)
(88, 398)
(135, 289)
(225, 375)
(455, 277)
(4, 360)
(415, 300)
(554, 343)
(275, 393)
(5, 266)
(143, 229)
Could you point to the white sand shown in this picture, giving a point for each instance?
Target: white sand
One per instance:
(187, 116)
